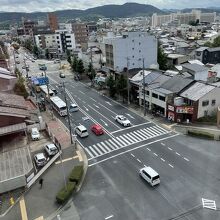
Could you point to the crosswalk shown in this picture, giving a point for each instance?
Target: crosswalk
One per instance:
(124, 140)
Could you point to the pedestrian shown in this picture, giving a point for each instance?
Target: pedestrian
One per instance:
(41, 182)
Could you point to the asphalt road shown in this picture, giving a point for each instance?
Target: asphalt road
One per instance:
(188, 167)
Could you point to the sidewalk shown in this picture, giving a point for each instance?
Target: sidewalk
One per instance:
(40, 203)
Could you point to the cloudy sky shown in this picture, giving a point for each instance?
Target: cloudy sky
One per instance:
(52, 5)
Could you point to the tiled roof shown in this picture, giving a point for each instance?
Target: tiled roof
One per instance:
(11, 100)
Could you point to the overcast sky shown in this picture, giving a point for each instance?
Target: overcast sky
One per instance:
(53, 5)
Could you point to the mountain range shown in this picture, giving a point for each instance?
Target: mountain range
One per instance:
(109, 11)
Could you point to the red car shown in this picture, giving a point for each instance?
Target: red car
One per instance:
(97, 129)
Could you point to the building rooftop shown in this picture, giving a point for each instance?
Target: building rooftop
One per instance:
(5, 76)
(201, 49)
(194, 67)
(175, 56)
(196, 91)
(176, 84)
(11, 100)
(213, 49)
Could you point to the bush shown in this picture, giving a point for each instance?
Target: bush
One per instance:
(76, 174)
(64, 194)
(201, 134)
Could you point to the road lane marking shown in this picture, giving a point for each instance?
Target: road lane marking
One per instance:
(171, 165)
(186, 159)
(104, 122)
(86, 108)
(110, 216)
(67, 159)
(156, 154)
(162, 159)
(148, 149)
(92, 99)
(170, 148)
(133, 126)
(108, 103)
(88, 151)
(23, 209)
(139, 160)
(130, 116)
(81, 92)
(96, 106)
(124, 152)
(84, 102)
(132, 155)
(177, 154)
(103, 116)
(162, 144)
(108, 109)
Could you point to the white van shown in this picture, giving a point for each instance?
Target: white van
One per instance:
(150, 175)
(35, 135)
(73, 108)
(81, 131)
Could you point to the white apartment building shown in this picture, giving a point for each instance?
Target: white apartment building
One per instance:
(128, 51)
(183, 18)
(65, 40)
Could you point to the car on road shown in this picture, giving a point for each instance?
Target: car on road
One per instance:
(40, 159)
(56, 61)
(97, 129)
(51, 149)
(150, 175)
(73, 108)
(81, 131)
(18, 62)
(62, 75)
(121, 119)
(54, 91)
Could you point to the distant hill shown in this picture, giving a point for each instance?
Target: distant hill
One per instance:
(109, 11)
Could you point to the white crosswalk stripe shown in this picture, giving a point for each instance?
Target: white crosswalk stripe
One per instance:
(124, 140)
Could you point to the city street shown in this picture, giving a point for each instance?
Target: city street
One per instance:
(188, 167)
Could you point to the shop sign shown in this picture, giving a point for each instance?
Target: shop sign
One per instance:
(184, 110)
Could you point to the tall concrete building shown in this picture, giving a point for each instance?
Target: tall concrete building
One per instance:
(129, 50)
(52, 20)
(80, 31)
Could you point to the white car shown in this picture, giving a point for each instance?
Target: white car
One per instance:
(51, 149)
(122, 120)
(40, 159)
(35, 134)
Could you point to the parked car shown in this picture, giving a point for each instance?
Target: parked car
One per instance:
(35, 134)
(97, 129)
(54, 90)
(122, 120)
(40, 159)
(51, 149)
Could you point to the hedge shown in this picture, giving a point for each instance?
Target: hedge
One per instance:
(76, 174)
(64, 194)
(201, 134)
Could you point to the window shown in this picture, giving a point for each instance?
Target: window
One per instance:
(57, 37)
(146, 174)
(132, 56)
(139, 51)
(213, 102)
(133, 41)
(139, 43)
(205, 103)
(133, 64)
(147, 92)
(133, 48)
(162, 98)
(155, 95)
(206, 113)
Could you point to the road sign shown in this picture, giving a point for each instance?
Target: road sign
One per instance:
(41, 81)
(209, 204)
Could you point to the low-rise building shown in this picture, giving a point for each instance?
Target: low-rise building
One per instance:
(208, 55)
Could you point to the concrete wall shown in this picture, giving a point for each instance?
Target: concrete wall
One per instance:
(213, 95)
(11, 184)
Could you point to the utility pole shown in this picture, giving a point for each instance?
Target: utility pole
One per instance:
(14, 58)
(128, 81)
(144, 89)
(26, 68)
(68, 115)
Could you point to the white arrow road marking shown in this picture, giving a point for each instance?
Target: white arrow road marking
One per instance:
(96, 106)
(86, 108)
(108, 103)
(110, 216)
(129, 115)
(104, 122)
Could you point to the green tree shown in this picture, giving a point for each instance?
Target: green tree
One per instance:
(161, 58)
(121, 86)
(20, 88)
(28, 44)
(74, 64)
(36, 51)
(69, 59)
(216, 42)
(90, 67)
(18, 73)
(92, 75)
(47, 53)
(112, 87)
(80, 67)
